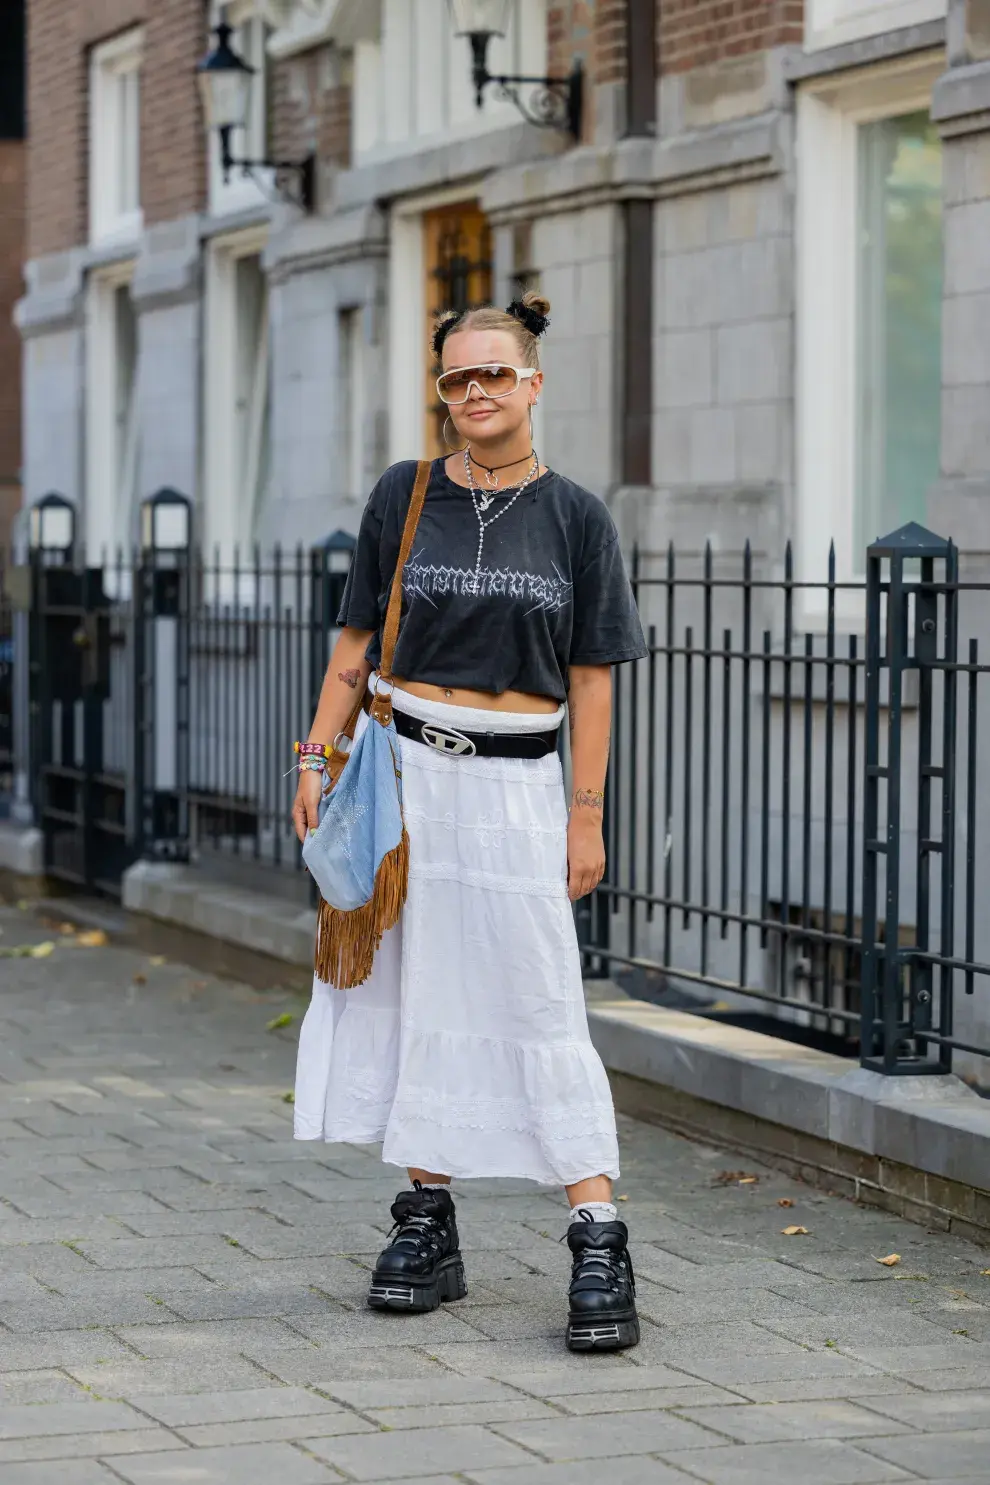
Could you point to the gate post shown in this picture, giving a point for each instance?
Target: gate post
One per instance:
(162, 602)
(897, 992)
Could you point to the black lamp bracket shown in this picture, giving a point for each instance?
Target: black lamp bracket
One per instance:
(294, 180)
(555, 102)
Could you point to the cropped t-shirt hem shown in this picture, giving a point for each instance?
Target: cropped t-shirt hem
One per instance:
(610, 657)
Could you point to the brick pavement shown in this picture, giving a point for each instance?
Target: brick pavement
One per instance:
(182, 1287)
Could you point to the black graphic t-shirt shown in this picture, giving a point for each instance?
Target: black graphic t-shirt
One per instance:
(549, 592)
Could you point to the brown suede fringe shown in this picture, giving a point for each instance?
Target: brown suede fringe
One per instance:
(346, 943)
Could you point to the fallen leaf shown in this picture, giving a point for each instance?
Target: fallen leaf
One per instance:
(784, 1201)
(748, 1180)
(890, 1260)
(285, 1019)
(42, 951)
(139, 979)
(93, 938)
(795, 1231)
(985, 1273)
(157, 960)
(735, 1178)
(622, 1198)
(289, 1097)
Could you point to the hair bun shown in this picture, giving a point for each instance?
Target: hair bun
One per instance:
(532, 311)
(442, 328)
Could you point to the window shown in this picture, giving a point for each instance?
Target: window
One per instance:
(899, 310)
(111, 412)
(869, 294)
(249, 40)
(115, 138)
(831, 22)
(413, 85)
(458, 253)
(236, 392)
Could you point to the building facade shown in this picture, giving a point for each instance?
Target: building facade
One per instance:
(13, 164)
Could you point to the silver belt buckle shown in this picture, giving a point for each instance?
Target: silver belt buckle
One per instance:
(446, 740)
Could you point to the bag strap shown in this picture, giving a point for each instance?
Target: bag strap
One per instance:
(394, 610)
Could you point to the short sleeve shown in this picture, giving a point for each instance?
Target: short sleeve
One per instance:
(606, 628)
(359, 608)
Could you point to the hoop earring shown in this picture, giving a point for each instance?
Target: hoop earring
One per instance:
(447, 440)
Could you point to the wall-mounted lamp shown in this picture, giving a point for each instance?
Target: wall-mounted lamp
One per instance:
(225, 85)
(555, 102)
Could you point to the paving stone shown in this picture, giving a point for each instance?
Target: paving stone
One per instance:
(792, 1367)
(133, 1378)
(379, 1328)
(810, 1389)
(272, 1430)
(66, 1417)
(185, 1410)
(77, 1445)
(816, 1462)
(420, 1392)
(766, 1424)
(70, 1472)
(324, 1367)
(247, 1464)
(63, 1348)
(377, 1456)
(949, 1454)
(628, 1471)
(46, 1386)
(904, 1359)
(207, 1336)
(607, 1436)
(440, 1415)
(701, 1396)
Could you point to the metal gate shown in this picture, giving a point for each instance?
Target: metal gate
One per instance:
(80, 738)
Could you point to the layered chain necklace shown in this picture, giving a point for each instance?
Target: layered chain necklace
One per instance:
(481, 500)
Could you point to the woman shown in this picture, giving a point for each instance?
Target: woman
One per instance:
(467, 1051)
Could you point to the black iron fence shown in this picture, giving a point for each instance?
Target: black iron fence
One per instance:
(793, 822)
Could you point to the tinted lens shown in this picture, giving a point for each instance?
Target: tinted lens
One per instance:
(494, 381)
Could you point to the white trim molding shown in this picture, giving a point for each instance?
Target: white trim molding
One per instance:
(829, 111)
(833, 22)
(235, 396)
(115, 138)
(111, 411)
(302, 24)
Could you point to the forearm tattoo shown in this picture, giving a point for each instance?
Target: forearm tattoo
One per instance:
(349, 678)
(589, 799)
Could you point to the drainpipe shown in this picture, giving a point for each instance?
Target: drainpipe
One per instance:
(637, 289)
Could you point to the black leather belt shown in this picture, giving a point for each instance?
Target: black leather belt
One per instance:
(455, 743)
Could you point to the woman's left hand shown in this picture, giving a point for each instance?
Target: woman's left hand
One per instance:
(585, 853)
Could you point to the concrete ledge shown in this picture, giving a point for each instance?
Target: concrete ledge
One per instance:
(183, 896)
(21, 850)
(919, 1145)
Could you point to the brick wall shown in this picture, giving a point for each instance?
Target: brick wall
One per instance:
(311, 110)
(13, 158)
(696, 33)
(60, 34)
(595, 31)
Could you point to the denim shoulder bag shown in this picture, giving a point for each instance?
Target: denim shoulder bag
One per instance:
(359, 854)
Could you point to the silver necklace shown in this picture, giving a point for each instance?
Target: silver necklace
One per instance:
(481, 501)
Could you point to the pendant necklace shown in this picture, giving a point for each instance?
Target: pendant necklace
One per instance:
(491, 473)
(481, 500)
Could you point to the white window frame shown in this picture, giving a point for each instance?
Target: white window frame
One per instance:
(828, 115)
(833, 22)
(243, 192)
(228, 521)
(110, 217)
(111, 452)
(413, 88)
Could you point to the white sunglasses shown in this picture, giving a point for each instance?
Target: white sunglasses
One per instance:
(494, 380)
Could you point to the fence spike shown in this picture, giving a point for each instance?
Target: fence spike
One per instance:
(747, 561)
(670, 559)
(708, 559)
(788, 562)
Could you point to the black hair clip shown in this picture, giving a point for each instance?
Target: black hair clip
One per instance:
(535, 322)
(443, 327)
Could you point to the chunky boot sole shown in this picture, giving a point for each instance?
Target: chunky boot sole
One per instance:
(418, 1295)
(605, 1333)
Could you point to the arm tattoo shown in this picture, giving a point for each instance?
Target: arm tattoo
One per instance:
(591, 799)
(349, 678)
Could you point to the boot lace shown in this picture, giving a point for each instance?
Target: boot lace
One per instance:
(606, 1265)
(420, 1231)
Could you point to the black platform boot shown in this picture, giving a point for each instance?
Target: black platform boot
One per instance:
(603, 1288)
(422, 1265)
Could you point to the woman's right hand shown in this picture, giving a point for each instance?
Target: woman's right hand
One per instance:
(306, 805)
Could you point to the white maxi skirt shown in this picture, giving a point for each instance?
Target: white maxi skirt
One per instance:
(467, 1053)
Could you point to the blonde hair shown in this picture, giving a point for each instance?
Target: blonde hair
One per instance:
(526, 319)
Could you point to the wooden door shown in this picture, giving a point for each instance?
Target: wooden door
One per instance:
(458, 276)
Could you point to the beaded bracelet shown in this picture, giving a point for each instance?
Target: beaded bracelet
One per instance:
(311, 765)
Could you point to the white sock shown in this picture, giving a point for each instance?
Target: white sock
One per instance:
(436, 1185)
(594, 1211)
